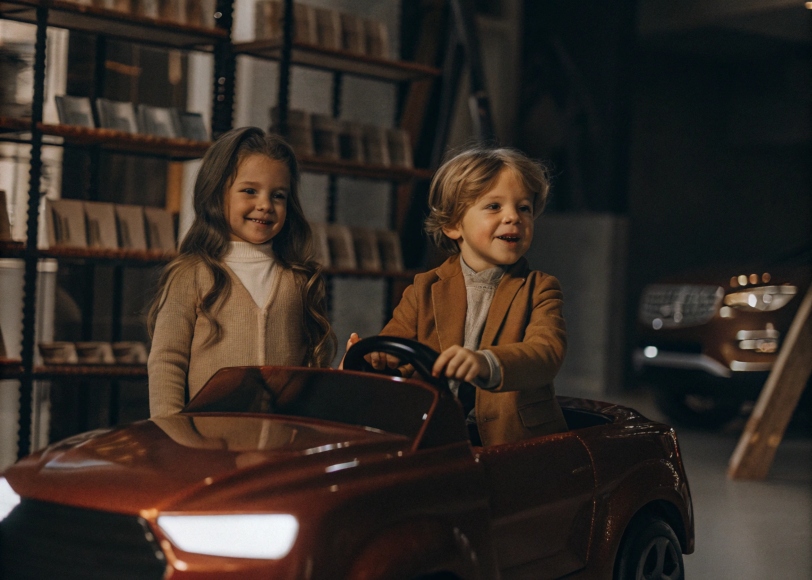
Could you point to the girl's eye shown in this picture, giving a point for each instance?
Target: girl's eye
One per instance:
(492, 206)
(250, 190)
(526, 209)
(280, 195)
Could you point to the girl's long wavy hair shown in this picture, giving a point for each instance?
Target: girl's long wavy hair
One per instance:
(208, 238)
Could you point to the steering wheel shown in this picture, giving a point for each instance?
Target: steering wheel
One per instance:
(420, 356)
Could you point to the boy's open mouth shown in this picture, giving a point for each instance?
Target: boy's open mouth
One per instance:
(509, 238)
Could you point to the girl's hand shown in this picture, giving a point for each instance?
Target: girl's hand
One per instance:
(378, 360)
(352, 340)
(457, 362)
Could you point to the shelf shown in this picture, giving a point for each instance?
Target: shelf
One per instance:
(318, 57)
(355, 169)
(110, 140)
(112, 23)
(13, 369)
(136, 257)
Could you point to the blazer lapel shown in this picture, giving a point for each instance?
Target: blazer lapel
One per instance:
(450, 303)
(505, 293)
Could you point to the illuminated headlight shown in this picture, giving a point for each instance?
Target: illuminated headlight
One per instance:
(8, 498)
(263, 536)
(763, 299)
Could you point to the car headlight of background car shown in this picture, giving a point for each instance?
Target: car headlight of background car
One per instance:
(761, 299)
(8, 498)
(263, 536)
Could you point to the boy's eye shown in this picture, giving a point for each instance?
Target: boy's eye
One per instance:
(250, 190)
(492, 206)
(526, 209)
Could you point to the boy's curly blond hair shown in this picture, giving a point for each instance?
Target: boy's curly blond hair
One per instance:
(463, 178)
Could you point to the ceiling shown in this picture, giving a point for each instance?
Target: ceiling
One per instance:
(726, 26)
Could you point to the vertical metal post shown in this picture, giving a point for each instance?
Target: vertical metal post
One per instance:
(225, 67)
(284, 68)
(332, 180)
(31, 256)
(118, 312)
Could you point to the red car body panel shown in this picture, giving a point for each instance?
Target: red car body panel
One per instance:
(371, 503)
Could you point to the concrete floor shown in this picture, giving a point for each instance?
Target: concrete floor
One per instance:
(745, 530)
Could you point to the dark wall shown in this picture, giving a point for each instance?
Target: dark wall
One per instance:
(721, 163)
(575, 94)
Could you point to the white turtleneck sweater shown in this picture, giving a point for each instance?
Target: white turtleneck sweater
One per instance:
(254, 265)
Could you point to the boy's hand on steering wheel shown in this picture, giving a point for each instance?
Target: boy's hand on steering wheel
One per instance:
(463, 364)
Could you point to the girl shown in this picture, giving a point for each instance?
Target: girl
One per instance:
(244, 289)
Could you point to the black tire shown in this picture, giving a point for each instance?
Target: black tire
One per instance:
(695, 410)
(650, 550)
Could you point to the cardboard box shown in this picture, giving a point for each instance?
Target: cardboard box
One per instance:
(74, 111)
(131, 232)
(269, 20)
(390, 250)
(376, 35)
(365, 242)
(117, 115)
(353, 35)
(400, 148)
(300, 130)
(342, 248)
(101, 225)
(5, 223)
(65, 222)
(376, 145)
(160, 229)
(321, 244)
(325, 136)
(328, 28)
(351, 141)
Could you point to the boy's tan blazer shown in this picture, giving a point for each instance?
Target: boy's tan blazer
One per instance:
(524, 329)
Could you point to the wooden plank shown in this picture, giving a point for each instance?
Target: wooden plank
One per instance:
(756, 449)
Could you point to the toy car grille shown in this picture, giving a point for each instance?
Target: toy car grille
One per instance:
(672, 305)
(43, 540)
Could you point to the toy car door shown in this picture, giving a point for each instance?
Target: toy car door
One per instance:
(541, 505)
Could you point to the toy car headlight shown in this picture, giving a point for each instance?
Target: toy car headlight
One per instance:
(762, 299)
(263, 536)
(8, 498)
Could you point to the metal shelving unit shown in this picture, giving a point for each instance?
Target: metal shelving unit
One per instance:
(105, 24)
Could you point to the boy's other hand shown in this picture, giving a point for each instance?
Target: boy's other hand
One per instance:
(463, 364)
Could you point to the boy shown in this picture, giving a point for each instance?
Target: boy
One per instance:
(496, 324)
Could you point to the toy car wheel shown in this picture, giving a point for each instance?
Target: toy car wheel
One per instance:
(650, 550)
(695, 410)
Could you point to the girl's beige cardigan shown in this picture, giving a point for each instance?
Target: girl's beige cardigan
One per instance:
(179, 363)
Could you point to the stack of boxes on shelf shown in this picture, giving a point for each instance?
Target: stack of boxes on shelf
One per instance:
(189, 12)
(85, 224)
(123, 116)
(93, 352)
(357, 248)
(325, 28)
(322, 136)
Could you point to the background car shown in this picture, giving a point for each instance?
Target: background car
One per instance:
(708, 340)
(290, 473)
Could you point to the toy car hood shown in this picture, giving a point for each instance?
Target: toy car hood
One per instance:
(158, 464)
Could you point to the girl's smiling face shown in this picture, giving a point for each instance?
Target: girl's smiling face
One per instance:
(498, 227)
(256, 201)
